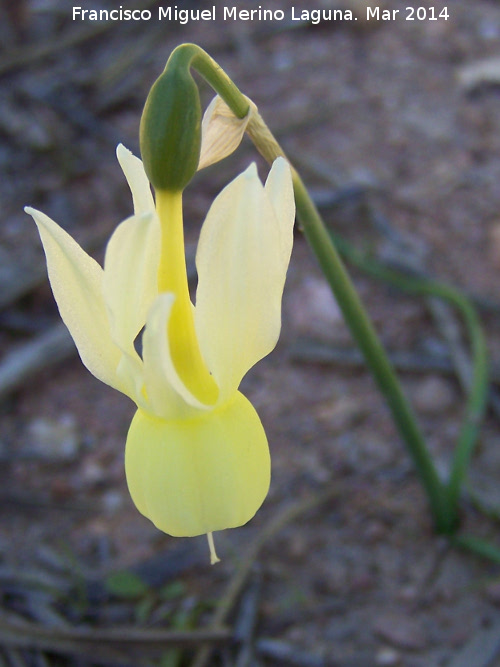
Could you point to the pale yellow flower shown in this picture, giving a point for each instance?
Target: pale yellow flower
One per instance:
(197, 458)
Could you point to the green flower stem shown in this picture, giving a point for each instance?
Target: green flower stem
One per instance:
(191, 55)
(477, 400)
(375, 356)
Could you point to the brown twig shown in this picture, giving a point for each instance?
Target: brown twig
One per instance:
(447, 322)
(48, 348)
(121, 645)
(247, 621)
(312, 351)
(25, 56)
(74, 37)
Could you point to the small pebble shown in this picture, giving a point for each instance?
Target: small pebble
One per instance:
(314, 311)
(400, 631)
(52, 439)
(433, 395)
(93, 473)
(387, 657)
(112, 501)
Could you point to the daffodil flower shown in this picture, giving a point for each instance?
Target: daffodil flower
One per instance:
(197, 458)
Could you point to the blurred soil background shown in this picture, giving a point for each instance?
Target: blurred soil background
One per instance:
(395, 126)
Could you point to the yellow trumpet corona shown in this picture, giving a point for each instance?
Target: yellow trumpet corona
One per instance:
(197, 458)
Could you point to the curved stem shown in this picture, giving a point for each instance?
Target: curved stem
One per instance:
(375, 356)
(191, 55)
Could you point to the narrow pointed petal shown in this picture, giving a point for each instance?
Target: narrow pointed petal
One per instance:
(279, 189)
(196, 476)
(76, 281)
(241, 272)
(221, 131)
(130, 282)
(137, 180)
(167, 395)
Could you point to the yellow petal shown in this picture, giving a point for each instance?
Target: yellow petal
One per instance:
(242, 260)
(130, 282)
(167, 395)
(191, 477)
(221, 131)
(76, 281)
(137, 180)
(131, 375)
(279, 189)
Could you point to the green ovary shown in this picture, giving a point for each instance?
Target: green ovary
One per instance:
(196, 476)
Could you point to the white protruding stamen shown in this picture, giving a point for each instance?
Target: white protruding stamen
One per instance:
(213, 556)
